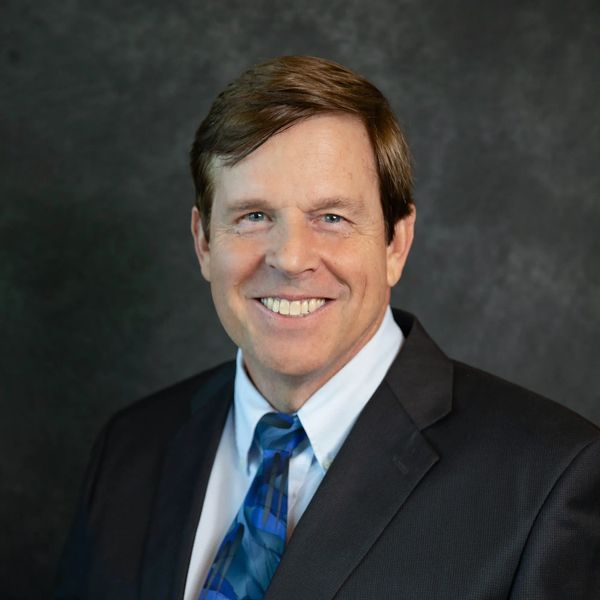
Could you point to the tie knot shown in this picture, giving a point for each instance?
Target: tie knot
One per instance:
(280, 432)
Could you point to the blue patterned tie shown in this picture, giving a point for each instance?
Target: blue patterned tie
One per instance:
(252, 548)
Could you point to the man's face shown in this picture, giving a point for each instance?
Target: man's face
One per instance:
(299, 268)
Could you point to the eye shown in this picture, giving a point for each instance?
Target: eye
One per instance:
(331, 218)
(255, 216)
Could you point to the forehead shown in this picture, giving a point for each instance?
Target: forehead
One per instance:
(324, 155)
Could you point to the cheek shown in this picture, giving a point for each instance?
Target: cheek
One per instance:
(359, 264)
(353, 277)
(232, 264)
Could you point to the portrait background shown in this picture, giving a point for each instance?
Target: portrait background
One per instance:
(102, 300)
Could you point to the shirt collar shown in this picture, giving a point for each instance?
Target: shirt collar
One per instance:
(329, 414)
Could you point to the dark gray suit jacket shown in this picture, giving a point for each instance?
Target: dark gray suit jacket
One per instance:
(452, 485)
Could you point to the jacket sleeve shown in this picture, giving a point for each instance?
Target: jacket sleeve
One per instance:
(562, 556)
(73, 570)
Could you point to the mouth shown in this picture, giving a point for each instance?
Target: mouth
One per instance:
(292, 308)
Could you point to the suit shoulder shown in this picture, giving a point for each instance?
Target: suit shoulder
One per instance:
(168, 407)
(527, 418)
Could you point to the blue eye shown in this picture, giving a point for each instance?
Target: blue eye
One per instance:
(255, 216)
(331, 218)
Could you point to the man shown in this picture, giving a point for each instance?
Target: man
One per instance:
(343, 455)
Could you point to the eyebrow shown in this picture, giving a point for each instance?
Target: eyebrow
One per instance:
(250, 204)
(334, 202)
(353, 206)
(328, 203)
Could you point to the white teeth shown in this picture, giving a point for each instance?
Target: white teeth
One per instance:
(284, 307)
(294, 308)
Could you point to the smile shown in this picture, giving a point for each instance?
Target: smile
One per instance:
(293, 308)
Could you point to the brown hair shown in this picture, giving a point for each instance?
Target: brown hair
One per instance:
(274, 95)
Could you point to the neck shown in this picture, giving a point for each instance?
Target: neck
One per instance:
(286, 394)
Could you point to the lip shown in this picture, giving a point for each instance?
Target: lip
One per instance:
(293, 297)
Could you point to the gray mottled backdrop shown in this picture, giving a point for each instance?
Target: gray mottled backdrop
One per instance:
(101, 299)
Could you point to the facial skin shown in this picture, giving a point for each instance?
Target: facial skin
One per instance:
(299, 219)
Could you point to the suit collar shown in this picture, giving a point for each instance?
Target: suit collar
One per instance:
(422, 375)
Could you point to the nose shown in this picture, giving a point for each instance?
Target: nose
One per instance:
(292, 248)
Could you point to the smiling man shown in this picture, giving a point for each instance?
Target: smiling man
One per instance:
(342, 455)
(297, 256)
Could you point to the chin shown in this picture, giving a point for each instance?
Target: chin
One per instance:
(292, 366)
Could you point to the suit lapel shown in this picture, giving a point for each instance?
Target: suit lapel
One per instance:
(184, 476)
(382, 461)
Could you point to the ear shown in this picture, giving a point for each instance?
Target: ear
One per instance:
(201, 244)
(399, 247)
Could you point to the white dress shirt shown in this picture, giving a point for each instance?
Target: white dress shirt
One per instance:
(327, 417)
